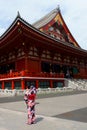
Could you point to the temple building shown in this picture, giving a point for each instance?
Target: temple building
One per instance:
(43, 53)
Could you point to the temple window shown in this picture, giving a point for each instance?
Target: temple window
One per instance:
(44, 84)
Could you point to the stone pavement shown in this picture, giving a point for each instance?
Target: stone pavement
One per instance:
(53, 113)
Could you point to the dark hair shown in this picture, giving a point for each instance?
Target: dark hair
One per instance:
(28, 86)
(32, 83)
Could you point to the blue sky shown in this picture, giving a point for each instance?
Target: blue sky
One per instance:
(74, 13)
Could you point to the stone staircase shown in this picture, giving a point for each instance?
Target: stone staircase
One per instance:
(79, 84)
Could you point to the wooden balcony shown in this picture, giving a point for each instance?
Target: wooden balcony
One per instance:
(31, 74)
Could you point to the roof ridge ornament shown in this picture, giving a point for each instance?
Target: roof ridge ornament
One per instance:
(58, 8)
(18, 14)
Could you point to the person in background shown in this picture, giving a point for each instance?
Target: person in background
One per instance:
(29, 98)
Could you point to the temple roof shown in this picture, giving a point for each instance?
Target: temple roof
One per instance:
(53, 24)
(44, 27)
(46, 19)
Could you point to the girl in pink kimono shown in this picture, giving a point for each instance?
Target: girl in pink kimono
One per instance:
(29, 98)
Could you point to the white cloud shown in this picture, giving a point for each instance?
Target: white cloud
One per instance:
(73, 11)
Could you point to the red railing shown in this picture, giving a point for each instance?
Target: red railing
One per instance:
(79, 76)
(31, 74)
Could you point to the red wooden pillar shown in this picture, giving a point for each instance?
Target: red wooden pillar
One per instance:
(12, 85)
(51, 84)
(3, 85)
(22, 84)
(37, 84)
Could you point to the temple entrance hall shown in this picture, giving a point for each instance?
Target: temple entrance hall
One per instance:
(68, 71)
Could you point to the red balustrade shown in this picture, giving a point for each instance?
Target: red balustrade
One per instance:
(31, 74)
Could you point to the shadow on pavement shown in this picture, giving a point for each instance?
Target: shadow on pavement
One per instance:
(76, 115)
(38, 119)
